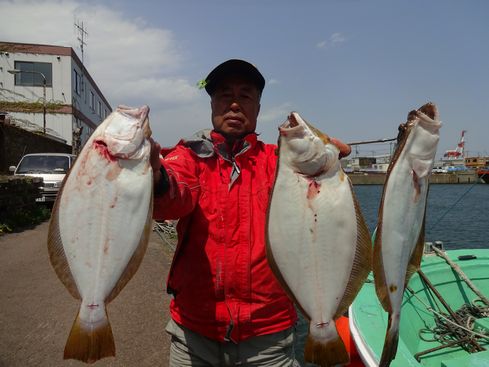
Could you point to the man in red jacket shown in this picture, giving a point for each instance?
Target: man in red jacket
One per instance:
(228, 309)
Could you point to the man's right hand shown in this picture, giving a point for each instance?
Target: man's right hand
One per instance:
(154, 160)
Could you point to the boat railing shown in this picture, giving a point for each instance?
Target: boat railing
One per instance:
(429, 247)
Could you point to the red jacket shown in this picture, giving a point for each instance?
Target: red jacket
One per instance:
(223, 287)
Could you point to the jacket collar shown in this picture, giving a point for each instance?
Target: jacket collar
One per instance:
(205, 143)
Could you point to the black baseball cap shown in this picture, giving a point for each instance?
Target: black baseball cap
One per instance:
(234, 67)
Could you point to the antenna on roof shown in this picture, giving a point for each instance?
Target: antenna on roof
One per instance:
(82, 33)
(77, 132)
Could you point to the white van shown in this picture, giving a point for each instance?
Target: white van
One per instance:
(51, 167)
(439, 170)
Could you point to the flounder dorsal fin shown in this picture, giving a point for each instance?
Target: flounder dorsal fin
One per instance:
(378, 265)
(362, 263)
(57, 254)
(417, 254)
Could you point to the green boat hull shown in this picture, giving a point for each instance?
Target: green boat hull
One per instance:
(368, 320)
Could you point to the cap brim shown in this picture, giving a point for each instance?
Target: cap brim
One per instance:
(234, 67)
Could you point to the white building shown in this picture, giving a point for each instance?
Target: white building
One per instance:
(73, 99)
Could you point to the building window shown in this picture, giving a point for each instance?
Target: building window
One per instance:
(99, 109)
(77, 82)
(30, 73)
(92, 101)
(105, 113)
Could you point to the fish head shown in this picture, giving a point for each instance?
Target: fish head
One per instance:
(419, 137)
(308, 150)
(427, 123)
(126, 133)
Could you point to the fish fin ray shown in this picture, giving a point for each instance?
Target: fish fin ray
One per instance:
(90, 344)
(325, 354)
(390, 344)
(57, 255)
(403, 134)
(415, 260)
(362, 263)
(137, 256)
(378, 271)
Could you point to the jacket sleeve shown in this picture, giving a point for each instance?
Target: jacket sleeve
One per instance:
(184, 188)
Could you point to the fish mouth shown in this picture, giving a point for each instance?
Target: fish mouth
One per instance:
(427, 115)
(295, 124)
(430, 110)
(141, 114)
(294, 120)
(125, 138)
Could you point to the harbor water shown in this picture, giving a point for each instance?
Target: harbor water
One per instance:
(457, 215)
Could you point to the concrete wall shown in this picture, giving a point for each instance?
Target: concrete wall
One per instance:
(439, 178)
(15, 142)
(454, 178)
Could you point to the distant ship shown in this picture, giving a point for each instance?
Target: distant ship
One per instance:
(453, 167)
(453, 160)
(483, 174)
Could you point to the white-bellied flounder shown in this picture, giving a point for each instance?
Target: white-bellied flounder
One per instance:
(100, 225)
(399, 240)
(318, 243)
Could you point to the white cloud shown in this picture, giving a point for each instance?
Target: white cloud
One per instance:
(272, 81)
(125, 57)
(165, 90)
(333, 40)
(132, 62)
(321, 44)
(337, 38)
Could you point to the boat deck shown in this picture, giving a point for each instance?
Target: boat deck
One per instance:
(420, 332)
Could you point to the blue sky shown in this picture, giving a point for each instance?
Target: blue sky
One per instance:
(352, 68)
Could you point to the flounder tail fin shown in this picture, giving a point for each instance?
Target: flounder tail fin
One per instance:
(390, 343)
(327, 349)
(90, 342)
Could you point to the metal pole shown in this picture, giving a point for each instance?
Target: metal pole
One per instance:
(372, 141)
(43, 104)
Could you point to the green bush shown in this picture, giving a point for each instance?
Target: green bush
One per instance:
(24, 218)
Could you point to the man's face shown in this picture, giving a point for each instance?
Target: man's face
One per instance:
(235, 106)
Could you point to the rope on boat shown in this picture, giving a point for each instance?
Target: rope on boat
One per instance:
(461, 274)
(472, 345)
(482, 311)
(468, 313)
